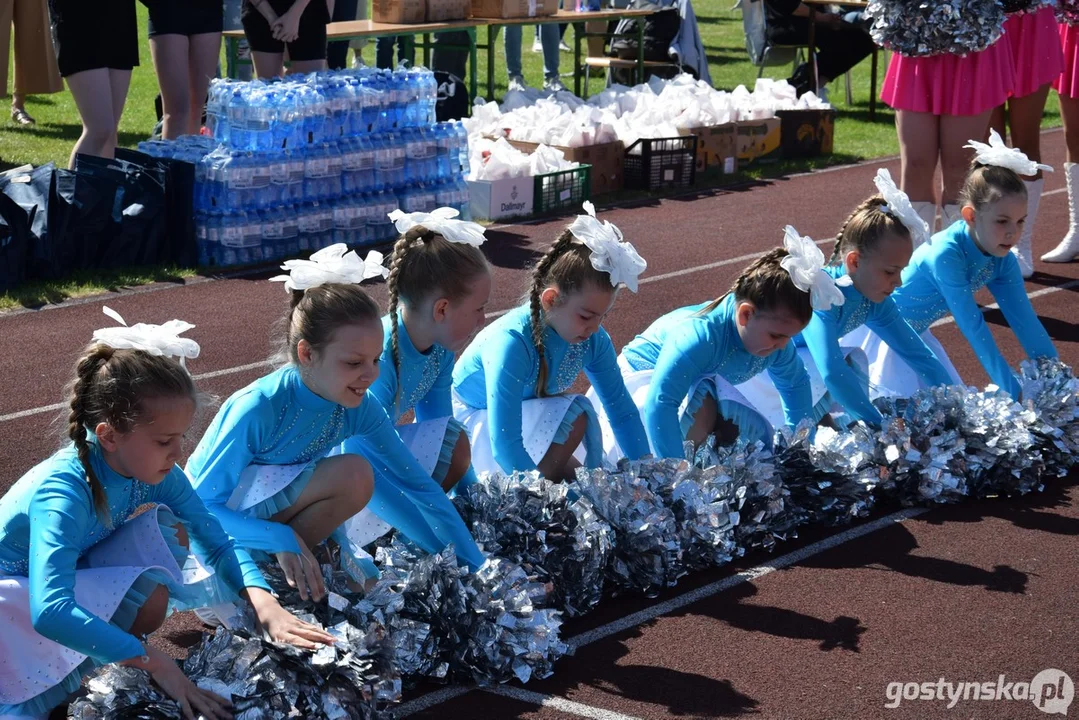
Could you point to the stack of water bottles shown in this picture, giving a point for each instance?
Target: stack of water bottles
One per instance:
(299, 164)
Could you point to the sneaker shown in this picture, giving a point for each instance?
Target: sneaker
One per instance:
(517, 83)
(563, 47)
(554, 85)
(537, 46)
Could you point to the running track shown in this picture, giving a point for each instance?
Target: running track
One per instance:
(817, 631)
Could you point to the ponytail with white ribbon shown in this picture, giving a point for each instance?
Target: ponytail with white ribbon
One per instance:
(442, 221)
(805, 263)
(163, 340)
(333, 264)
(610, 252)
(999, 154)
(898, 205)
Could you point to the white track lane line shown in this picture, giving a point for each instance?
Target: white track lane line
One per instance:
(561, 704)
(677, 603)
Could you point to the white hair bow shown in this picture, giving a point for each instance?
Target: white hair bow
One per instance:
(805, 263)
(610, 253)
(155, 339)
(897, 204)
(999, 154)
(443, 222)
(333, 264)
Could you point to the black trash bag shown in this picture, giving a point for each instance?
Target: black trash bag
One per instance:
(125, 203)
(182, 246)
(452, 103)
(14, 242)
(34, 189)
(660, 30)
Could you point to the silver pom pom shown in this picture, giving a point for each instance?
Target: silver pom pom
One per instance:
(926, 27)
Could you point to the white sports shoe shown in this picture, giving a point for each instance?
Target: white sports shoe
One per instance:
(516, 83)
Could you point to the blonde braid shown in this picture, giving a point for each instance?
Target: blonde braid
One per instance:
(539, 282)
(400, 251)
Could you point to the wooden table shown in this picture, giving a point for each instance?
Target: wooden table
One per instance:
(371, 29)
(577, 20)
(824, 4)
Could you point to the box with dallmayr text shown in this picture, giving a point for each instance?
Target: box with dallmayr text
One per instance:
(501, 199)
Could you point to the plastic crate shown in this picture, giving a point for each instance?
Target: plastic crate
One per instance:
(562, 189)
(654, 163)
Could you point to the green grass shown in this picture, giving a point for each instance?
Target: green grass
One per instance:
(856, 137)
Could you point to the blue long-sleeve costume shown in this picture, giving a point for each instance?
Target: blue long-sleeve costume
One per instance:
(498, 371)
(942, 278)
(48, 522)
(277, 420)
(683, 346)
(424, 381)
(821, 338)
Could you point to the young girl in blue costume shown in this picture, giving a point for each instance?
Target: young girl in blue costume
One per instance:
(872, 248)
(262, 465)
(682, 369)
(509, 385)
(82, 580)
(972, 253)
(441, 282)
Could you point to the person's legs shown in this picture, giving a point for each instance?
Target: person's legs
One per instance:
(384, 52)
(704, 421)
(171, 58)
(1068, 248)
(840, 49)
(512, 39)
(119, 82)
(204, 51)
(550, 39)
(268, 65)
(337, 52)
(340, 487)
(460, 461)
(302, 67)
(558, 463)
(92, 93)
(919, 148)
(955, 132)
(1025, 121)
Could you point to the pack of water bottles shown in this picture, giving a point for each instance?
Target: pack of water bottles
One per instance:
(298, 164)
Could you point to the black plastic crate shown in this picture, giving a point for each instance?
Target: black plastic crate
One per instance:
(655, 163)
(562, 189)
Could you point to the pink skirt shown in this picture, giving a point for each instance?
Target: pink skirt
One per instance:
(1067, 84)
(1035, 43)
(950, 84)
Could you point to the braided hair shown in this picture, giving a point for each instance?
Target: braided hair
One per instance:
(864, 227)
(424, 264)
(567, 266)
(111, 386)
(768, 285)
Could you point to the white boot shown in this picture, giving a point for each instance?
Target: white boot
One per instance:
(1068, 248)
(948, 215)
(927, 211)
(1022, 249)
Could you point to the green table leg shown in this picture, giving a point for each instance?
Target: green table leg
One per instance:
(640, 50)
(492, 38)
(427, 50)
(473, 72)
(232, 53)
(578, 35)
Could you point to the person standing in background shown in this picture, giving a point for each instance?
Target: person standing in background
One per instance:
(97, 70)
(185, 43)
(35, 60)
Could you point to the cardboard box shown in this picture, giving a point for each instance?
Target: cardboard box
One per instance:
(400, 12)
(806, 133)
(447, 10)
(513, 8)
(501, 199)
(717, 147)
(607, 160)
(758, 140)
